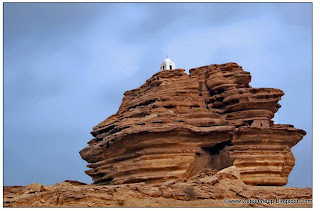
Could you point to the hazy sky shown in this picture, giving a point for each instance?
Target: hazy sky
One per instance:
(67, 65)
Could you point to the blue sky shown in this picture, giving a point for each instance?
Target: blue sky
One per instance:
(67, 65)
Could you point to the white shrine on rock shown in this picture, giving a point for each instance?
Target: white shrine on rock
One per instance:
(167, 64)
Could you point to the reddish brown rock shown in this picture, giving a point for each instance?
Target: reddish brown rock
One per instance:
(176, 125)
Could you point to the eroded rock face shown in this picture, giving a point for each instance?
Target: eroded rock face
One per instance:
(175, 125)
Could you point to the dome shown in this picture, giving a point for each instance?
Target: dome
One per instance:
(167, 60)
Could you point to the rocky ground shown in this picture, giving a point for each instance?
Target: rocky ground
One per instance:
(209, 188)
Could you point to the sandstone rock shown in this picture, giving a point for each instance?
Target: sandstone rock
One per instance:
(166, 191)
(183, 191)
(34, 187)
(231, 173)
(208, 180)
(150, 191)
(176, 125)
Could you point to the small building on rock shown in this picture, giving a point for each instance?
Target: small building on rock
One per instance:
(167, 64)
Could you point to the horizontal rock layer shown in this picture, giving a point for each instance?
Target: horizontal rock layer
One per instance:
(175, 125)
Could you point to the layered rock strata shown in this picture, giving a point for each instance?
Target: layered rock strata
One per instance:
(175, 125)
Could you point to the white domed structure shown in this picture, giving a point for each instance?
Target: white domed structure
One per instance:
(167, 64)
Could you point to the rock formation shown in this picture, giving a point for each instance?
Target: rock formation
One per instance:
(209, 188)
(176, 125)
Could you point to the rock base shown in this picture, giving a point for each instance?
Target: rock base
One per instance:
(209, 188)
